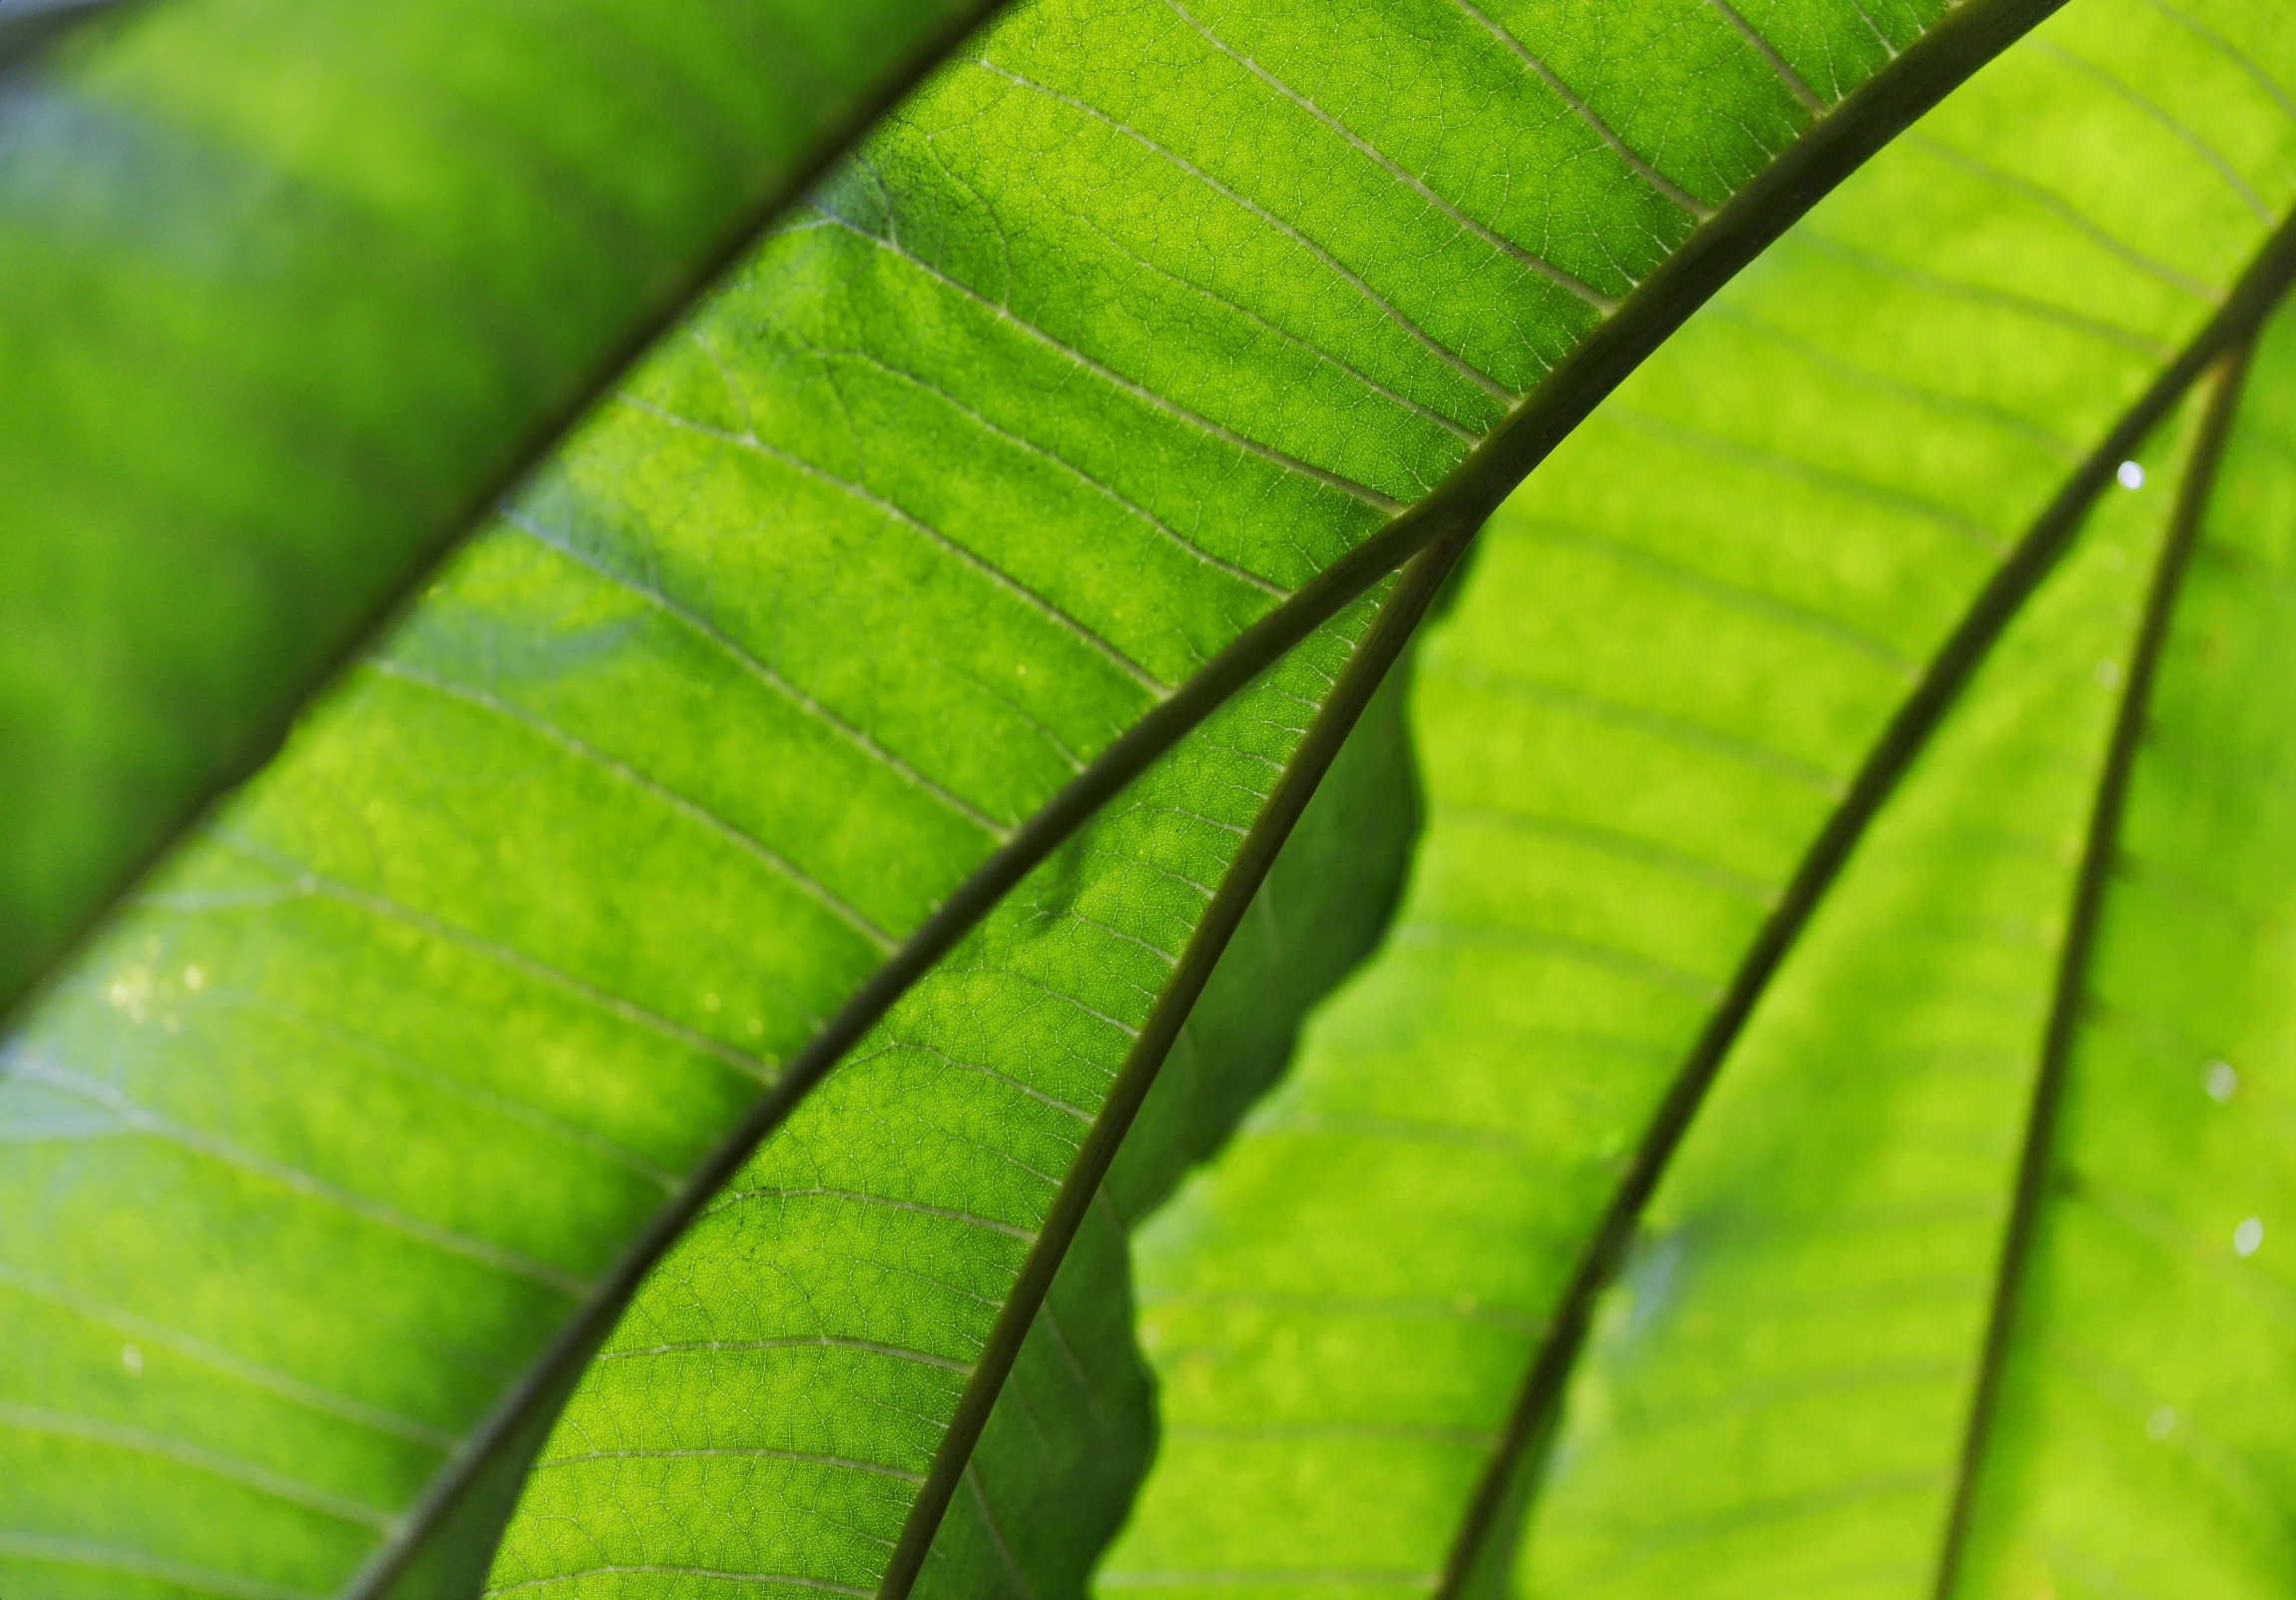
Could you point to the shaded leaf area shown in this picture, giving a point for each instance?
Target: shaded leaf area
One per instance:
(293, 289)
(1682, 637)
(1776, 1392)
(1129, 323)
(2139, 1442)
(26, 26)
(1071, 1435)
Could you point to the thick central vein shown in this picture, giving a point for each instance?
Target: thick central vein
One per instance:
(2080, 935)
(1891, 758)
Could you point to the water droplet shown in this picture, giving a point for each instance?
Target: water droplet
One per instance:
(2130, 475)
(2221, 1082)
(195, 979)
(2108, 673)
(2248, 1235)
(132, 1358)
(2157, 1425)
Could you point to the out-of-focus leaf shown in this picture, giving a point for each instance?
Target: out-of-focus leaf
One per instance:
(292, 291)
(1696, 650)
(28, 25)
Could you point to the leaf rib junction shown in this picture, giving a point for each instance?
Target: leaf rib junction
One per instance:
(1836, 144)
(2251, 300)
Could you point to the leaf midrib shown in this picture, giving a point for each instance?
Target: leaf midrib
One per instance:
(2099, 845)
(1893, 755)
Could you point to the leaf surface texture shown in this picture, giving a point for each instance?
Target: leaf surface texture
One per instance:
(1831, 1277)
(2141, 1447)
(1680, 643)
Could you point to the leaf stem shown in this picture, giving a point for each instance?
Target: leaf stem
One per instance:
(2097, 855)
(1909, 732)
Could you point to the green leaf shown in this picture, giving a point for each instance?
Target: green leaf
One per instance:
(635, 1481)
(293, 291)
(874, 1256)
(2134, 1420)
(1700, 650)
(2010, 1275)
(1118, 365)
(1819, 1263)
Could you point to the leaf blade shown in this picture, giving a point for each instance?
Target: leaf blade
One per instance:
(1837, 1269)
(429, 847)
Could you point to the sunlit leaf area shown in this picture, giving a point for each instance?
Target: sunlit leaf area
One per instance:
(1154, 799)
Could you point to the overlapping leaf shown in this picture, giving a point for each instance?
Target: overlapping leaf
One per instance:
(634, 1500)
(1682, 641)
(2141, 1446)
(774, 1399)
(1073, 1429)
(1826, 1275)
(1857, 1354)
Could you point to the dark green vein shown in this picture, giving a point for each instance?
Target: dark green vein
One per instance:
(2080, 941)
(1835, 146)
(1398, 617)
(1909, 732)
